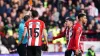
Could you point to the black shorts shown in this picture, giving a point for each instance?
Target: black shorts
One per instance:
(69, 53)
(72, 53)
(21, 49)
(33, 51)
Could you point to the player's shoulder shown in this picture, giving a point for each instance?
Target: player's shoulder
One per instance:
(41, 21)
(27, 21)
(77, 26)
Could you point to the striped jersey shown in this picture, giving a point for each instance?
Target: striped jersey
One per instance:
(74, 41)
(35, 31)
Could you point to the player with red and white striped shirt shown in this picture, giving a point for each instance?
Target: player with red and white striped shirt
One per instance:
(36, 30)
(73, 43)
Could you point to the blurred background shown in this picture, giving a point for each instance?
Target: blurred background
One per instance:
(53, 13)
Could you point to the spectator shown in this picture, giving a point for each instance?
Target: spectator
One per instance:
(50, 34)
(82, 11)
(96, 20)
(98, 31)
(72, 14)
(63, 15)
(45, 3)
(90, 33)
(16, 24)
(55, 32)
(8, 25)
(37, 3)
(40, 9)
(4, 18)
(8, 9)
(1, 24)
(97, 3)
(7, 1)
(69, 6)
(93, 23)
(45, 18)
(48, 11)
(80, 1)
(2, 7)
(55, 14)
(50, 7)
(26, 9)
(10, 43)
(16, 2)
(91, 51)
(82, 6)
(92, 11)
(51, 22)
(13, 15)
(16, 7)
(86, 2)
(78, 7)
(55, 3)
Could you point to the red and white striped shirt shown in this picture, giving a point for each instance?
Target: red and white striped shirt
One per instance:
(75, 38)
(74, 35)
(35, 29)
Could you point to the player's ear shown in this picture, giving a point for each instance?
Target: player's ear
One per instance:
(81, 18)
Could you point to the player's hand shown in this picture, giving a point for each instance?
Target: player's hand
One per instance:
(54, 38)
(19, 43)
(44, 47)
(47, 44)
(76, 52)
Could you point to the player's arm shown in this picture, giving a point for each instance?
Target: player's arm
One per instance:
(45, 36)
(77, 36)
(24, 34)
(60, 35)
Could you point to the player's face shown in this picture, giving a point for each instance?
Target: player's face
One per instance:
(84, 20)
(71, 23)
(67, 22)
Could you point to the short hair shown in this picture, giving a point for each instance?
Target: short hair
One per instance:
(34, 13)
(26, 17)
(81, 15)
(70, 19)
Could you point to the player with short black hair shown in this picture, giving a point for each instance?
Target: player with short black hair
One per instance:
(34, 13)
(73, 43)
(36, 30)
(21, 49)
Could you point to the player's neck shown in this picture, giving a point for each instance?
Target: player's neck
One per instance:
(69, 27)
(80, 22)
(36, 18)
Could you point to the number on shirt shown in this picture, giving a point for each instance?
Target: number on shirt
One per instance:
(36, 30)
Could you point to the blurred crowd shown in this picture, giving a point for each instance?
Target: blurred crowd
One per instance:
(53, 13)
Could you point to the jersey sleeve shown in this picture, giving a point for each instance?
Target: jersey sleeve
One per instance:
(61, 34)
(77, 37)
(26, 25)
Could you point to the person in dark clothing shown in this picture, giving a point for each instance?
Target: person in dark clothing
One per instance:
(2, 7)
(22, 47)
(90, 52)
(10, 43)
(45, 19)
